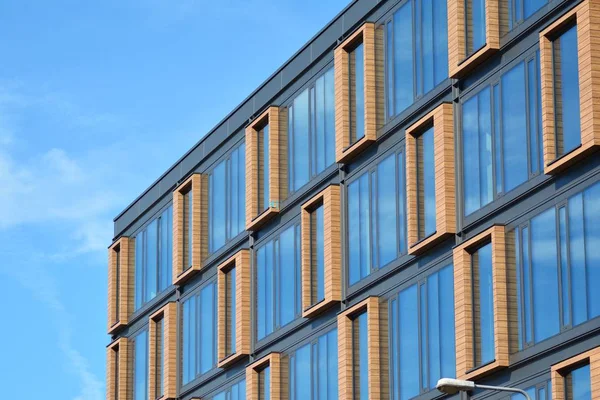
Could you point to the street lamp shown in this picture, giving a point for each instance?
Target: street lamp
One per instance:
(453, 386)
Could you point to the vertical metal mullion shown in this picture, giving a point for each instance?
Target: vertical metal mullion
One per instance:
(360, 248)
(531, 316)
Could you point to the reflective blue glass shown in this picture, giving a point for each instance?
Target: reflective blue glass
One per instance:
(359, 238)
(387, 249)
(332, 366)
(446, 334)
(477, 151)
(151, 258)
(534, 129)
(140, 369)
(401, 204)
(302, 382)
(485, 297)
(241, 191)
(426, 183)
(359, 92)
(527, 286)
(422, 328)
(217, 205)
(440, 41)
(264, 295)
(544, 275)
(475, 25)
(577, 260)
(580, 384)
(264, 180)
(298, 140)
(189, 325)
(564, 266)
(265, 374)
(408, 342)
(208, 323)
(232, 313)
(322, 115)
(591, 200)
(320, 252)
(166, 249)
(499, 173)
(287, 274)
(514, 127)
(417, 52)
(403, 57)
(363, 357)
(566, 54)
(139, 269)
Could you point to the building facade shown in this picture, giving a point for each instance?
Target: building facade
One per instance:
(414, 195)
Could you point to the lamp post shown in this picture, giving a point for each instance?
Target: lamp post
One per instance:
(453, 386)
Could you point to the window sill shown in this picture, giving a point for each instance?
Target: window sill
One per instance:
(482, 371)
(262, 218)
(117, 326)
(187, 275)
(471, 62)
(354, 149)
(231, 359)
(569, 159)
(318, 308)
(428, 242)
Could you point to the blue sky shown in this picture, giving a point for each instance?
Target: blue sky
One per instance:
(97, 99)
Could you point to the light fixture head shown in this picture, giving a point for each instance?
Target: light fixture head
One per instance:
(453, 386)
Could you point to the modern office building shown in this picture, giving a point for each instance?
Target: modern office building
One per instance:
(414, 195)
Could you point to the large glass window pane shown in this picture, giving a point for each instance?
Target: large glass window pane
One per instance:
(426, 184)
(564, 267)
(217, 198)
(591, 200)
(264, 384)
(403, 57)
(332, 366)
(263, 165)
(578, 385)
(298, 139)
(475, 25)
(483, 315)
(401, 204)
(514, 127)
(408, 343)
(527, 297)
(387, 238)
(151, 260)
(357, 94)
(287, 273)
(577, 260)
(139, 269)
(477, 152)
(544, 275)
(208, 343)
(264, 293)
(231, 309)
(140, 369)
(241, 203)
(359, 238)
(533, 108)
(189, 324)
(300, 364)
(166, 249)
(417, 52)
(318, 253)
(566, 92)
(446, 334)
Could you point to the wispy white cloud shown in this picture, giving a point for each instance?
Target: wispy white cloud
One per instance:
(43, 287)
